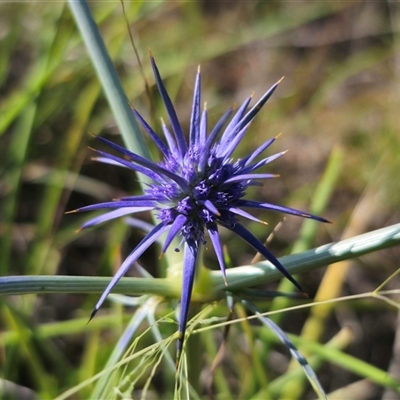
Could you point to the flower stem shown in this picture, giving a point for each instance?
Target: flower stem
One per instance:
(238, 278)
(263, 272)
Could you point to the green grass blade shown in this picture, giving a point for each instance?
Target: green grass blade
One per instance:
(12, 180)
(55, 329)
(339, 342)
(120, 347)
(349, 363)
(281, 335)
(109, 79)
(45, 383)
(309, 228)
(58, 32)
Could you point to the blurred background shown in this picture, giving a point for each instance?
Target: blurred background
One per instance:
(340, 98)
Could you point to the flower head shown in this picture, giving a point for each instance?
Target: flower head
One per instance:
(197, 187)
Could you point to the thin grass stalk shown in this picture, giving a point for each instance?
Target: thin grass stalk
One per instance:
(12, 179)
(260, 377)
(194, 351)
(120, 348)
(335, 276)
(295, 353)
(50, 213)
(339, 342)
(45, 383)
(40, 72)
(54, 329)
(215, 378)
(348, 362)
(308, 231)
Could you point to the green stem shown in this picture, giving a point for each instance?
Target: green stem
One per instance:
(86, 284)
(264, 272)
(238, 278)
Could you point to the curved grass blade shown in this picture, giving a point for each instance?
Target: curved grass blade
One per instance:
(139, 316)
(292, 348)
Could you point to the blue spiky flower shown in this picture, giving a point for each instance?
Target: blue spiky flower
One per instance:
(197, 187)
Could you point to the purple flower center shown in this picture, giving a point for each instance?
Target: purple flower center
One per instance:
(208, 197)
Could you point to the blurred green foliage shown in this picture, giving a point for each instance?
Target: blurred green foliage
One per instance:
(341, 62)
